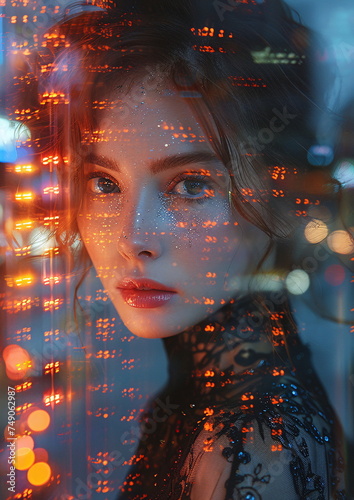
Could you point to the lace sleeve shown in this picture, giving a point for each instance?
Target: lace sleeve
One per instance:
(269, 457)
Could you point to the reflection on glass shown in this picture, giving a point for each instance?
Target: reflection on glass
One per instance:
(176, 239)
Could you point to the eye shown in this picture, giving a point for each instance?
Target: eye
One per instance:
(99, 184)
(193, 187)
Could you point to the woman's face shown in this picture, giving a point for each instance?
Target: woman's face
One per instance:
(156, 218)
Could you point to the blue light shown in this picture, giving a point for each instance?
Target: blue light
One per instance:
(344, 173)
(13, 138)
(320, 155)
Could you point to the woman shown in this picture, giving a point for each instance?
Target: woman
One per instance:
(181, 152)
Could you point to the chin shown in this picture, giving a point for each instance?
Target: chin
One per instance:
(151, 330)
(161, 322)
(153, 324)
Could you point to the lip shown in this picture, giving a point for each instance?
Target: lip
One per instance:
(144, 293)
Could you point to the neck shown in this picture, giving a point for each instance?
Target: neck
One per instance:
(214, 357)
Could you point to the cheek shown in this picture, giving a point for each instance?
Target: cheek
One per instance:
(99, 234)
(225, 251)
(212, 233)
(205, 225)
(99, 218)
(202, 254)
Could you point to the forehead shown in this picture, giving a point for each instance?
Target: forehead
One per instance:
(144, 127)
(147, 112)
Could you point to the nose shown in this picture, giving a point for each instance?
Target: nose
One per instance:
(140, 236)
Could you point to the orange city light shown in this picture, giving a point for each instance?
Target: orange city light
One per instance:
(23, 280)
(27, 196)
(23, 169)
(24, 458)
(51, 190)
(53, 398)
(26, 224)
(19, 281)
(25, 442)
(50, 159)
(22, 251)
(39, 474)
(17, 361)
(38, 420)
(51, 280)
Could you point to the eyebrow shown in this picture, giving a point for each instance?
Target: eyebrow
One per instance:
(161, 164)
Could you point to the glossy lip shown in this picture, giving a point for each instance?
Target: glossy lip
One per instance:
(142, 284)
(144, 293)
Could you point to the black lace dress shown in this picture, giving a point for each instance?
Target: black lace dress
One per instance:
(243, 416)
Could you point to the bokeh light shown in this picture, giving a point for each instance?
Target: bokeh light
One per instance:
(38, 420)
(320, 155)
(335, 274)
(297, 282)
(25, 442)
(17, 361)
(12, 132)
(341, 242)
(24, 458)
(41, 455)
(39, 474)
(344, 173)
(315, 231)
